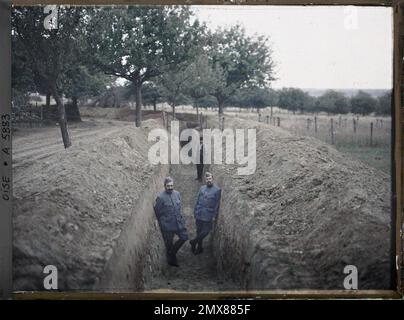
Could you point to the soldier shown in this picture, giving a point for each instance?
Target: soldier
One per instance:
(168, 212)
(199, 166)
(206, 209)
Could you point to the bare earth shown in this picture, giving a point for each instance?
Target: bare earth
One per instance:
(70, 205)
(306, 212)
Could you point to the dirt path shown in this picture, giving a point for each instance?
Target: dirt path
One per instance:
(42, 143)
(195, 272)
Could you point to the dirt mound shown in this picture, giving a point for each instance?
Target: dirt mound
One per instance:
(71, 206)
(306, 213)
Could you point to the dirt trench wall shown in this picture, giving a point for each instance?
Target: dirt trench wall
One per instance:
(87, 210)
(139, 253)
(306, 213)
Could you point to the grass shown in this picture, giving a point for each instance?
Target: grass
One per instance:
(377, 157)
(358, 145)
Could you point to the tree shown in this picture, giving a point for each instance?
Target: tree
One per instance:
(139, 43)
(252, 97)
(384, 104)
(173, 84)
(333, 102)
(363, 103)
(200, 79)
(238, 61)
(81, 84)
(152, 94)
(49, 53)
(293, 99)
(22, 79)
(272, 97)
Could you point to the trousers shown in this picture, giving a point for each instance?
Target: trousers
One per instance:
(199, 170)
(202, 230)
(171, 247)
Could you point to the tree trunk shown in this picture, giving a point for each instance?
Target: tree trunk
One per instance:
(75, 112)
(48, 96)
(62, 117)
(173, 107)
(138, 96)
(220, 104)
(154, 106)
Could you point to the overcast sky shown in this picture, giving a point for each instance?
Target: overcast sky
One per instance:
(318, 47)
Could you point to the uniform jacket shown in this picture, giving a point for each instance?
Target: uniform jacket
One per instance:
(168, 211)
(208, 203)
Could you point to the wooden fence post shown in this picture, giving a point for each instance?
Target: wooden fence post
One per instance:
(332, 131)
(315, 124)
(354, 125)
(259, 117)
(267, 119)
(371, 134)
(279, 121)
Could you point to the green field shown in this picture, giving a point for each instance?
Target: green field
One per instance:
(358, 144)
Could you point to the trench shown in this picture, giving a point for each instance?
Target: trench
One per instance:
(137, 256)
(195, 272)
(138, 262)
(251, 248)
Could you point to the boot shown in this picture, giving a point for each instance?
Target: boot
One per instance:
(171, 259)
(178, 244)
(193, 246)
(199, 249)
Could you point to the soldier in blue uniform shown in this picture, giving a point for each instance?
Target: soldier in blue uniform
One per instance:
(199, 166)
(206, 209)
(168, 212)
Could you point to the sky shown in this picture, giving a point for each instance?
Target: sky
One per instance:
(336, 47)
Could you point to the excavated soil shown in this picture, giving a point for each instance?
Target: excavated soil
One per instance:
(306, 213)
(76, 208)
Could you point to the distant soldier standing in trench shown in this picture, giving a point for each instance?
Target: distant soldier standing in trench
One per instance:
(168, 212)
(206, 209)
(199, 165)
